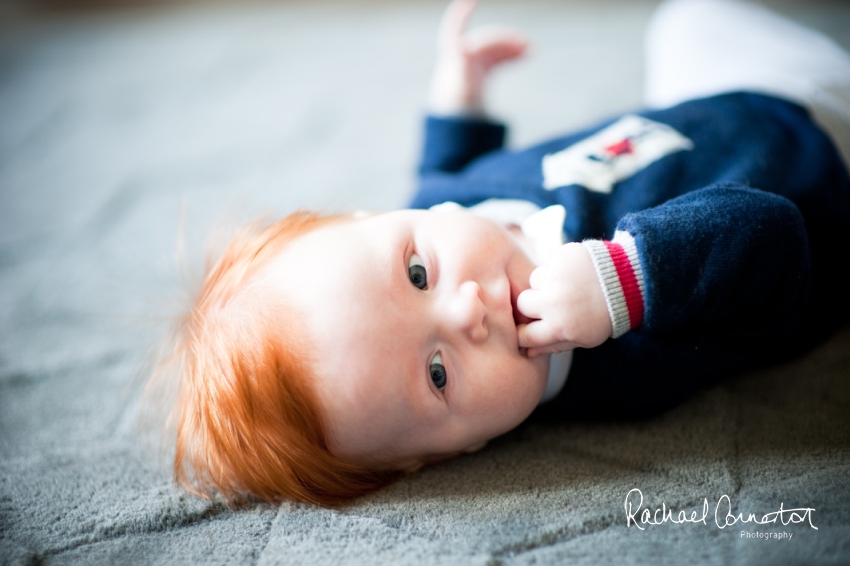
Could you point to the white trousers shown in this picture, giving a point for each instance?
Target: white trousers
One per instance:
(698, 48)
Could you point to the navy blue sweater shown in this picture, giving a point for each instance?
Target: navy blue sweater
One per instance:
(740, 238)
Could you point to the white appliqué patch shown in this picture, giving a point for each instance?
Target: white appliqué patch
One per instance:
(612, 154)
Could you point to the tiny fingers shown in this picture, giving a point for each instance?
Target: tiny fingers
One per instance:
(550, 349)
(497, 40)
(538, 277)
(492, 56)
(529, 303)
(534, 335)
(454, 23)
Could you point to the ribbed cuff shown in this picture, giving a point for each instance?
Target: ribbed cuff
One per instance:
(618, 269)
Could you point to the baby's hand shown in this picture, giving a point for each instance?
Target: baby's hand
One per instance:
(566, 299)
(464, 59)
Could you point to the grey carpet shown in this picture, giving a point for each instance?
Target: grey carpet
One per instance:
(119, 126)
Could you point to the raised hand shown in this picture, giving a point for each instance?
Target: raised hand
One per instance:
(465, 58)
(567, 303)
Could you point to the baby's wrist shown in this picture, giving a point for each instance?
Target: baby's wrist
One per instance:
(456, 109)
(621, 278)
(448, 101)
(453, 91)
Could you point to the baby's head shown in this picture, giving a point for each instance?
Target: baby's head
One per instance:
(326, 355)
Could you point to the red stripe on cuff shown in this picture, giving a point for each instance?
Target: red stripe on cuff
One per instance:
(628, 281)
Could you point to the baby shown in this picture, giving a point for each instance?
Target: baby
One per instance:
(327, 355)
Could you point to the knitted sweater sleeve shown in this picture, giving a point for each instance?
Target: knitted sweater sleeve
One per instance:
(452, 142)
(726, 258)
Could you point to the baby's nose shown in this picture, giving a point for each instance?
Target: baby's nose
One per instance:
(468, 313)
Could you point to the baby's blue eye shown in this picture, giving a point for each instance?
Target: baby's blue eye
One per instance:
(438, 372)
(416, 272)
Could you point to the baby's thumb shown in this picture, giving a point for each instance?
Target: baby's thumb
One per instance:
(550, 349)
(533, 334)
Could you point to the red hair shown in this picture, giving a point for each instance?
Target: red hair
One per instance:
(246, 416)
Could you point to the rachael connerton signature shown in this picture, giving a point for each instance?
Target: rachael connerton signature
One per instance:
(723, 515)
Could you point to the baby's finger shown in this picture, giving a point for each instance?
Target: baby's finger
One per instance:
(495, 44)
(529, 303)
(453, 25)
(493, 55)
(550, 349)
(538, 276)
(534, 335)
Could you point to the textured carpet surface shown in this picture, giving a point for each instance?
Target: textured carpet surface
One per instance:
(118, 127)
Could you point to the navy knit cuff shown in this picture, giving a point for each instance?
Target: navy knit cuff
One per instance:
(451, 143)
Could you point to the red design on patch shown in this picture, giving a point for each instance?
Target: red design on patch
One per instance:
(620, 148)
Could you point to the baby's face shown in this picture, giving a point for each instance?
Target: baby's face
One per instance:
(412, 314)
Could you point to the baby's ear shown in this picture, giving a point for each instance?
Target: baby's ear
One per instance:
(475, 447)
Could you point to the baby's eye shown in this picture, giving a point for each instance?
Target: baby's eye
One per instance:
(438, 371)
(416, 272)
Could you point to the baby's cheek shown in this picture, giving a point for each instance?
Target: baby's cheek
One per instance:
(540, 365)
(529, 377)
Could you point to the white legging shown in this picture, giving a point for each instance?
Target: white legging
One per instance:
(697, 48)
